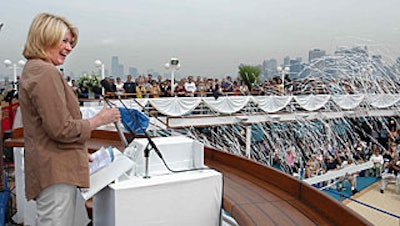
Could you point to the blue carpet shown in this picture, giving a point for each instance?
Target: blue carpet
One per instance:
(362, 183)
(4, 196)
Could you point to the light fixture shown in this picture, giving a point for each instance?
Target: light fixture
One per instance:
(98, 63)
(10, 65)
(174, 65)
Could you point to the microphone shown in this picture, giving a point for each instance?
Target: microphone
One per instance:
(117, 126)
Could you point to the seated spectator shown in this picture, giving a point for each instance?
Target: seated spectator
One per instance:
(391, 173)
(313, 167)
(290, 159)
(332, 163)
(351, 177)
(377, 159)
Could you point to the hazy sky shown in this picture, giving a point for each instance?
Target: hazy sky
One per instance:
(210, 37)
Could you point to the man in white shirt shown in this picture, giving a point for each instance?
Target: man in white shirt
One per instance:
(190, 86)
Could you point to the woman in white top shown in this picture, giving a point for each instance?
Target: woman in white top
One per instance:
(119, 85)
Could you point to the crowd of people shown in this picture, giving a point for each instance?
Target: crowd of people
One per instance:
(150, 87)
(300, 158)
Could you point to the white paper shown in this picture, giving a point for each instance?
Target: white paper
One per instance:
(107, 174)
(100, 159)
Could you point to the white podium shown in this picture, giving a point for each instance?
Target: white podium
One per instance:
(179, 152)
(186, 198)
(190, 198)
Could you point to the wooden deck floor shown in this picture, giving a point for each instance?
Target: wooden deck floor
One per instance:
(388, 202)
(253, 202)
(259, 195)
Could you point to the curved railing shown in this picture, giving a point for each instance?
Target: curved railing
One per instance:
(253, 194)
(256, 195)
(181, 106)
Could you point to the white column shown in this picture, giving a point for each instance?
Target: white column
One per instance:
(248, 141)
(172, 81)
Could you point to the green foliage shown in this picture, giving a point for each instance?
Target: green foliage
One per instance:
(250, 74)
(89, 82)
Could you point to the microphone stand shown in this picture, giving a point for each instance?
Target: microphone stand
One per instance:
(117, 126)
(151, 145)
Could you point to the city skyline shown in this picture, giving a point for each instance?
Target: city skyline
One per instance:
(211, 38)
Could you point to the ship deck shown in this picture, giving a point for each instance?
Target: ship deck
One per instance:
(259, 195)
(255, 194)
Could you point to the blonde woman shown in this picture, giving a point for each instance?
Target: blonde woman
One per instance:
(56, 158)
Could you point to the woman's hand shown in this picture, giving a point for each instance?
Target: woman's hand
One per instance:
(104, 117)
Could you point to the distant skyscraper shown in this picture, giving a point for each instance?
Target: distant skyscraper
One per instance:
(286, 61)
(120, 70)
(295, 67)
(114, 66)
(133, 71)
(315, 53)
(269, 68)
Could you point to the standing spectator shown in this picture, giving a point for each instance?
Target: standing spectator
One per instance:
(383, 137)
(69, 81)
(391, 173)
(119, 85)
(140, 88)
(235, 87)
(201, 86)
(180, 88)
(75, 88)
(129, 85)
(155, 90)
(108, 84)
(227, 84)
(243, 88)
(190, 86)
(167, 88)
(56, 158)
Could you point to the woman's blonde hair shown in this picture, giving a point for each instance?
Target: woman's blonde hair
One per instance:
(47, 31)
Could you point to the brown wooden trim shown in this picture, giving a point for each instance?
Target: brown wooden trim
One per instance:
(259, 195)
